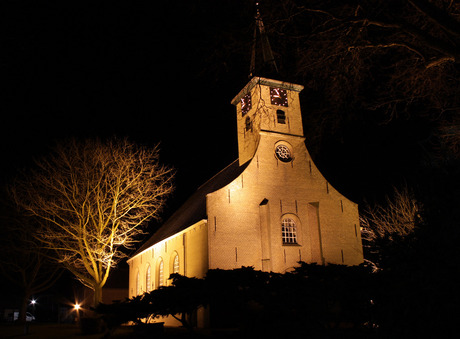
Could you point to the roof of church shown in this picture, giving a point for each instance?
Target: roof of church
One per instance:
(194, 208)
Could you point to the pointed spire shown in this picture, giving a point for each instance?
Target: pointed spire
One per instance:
(264, 45)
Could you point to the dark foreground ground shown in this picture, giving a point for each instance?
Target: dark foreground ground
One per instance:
(69, 331)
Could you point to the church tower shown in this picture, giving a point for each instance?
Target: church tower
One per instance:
(270, 106)
(265, 105)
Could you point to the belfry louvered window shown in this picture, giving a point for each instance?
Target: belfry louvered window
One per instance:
(248, 124)
(289, 231)
(280, 116)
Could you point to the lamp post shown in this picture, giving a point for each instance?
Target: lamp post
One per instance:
(77, 307)
(33, 302)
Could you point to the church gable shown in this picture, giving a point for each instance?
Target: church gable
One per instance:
(276, 214)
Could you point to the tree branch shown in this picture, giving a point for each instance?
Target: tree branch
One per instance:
(388, 45)
(425, 38)
(437, 16)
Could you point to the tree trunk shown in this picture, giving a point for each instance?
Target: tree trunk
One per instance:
(23, 309)
(97, 294)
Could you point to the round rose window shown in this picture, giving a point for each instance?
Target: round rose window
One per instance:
(283, 153)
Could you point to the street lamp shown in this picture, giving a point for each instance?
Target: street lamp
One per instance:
(77, 307)
(33, 302)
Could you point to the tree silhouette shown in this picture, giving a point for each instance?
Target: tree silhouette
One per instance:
(22, 259)
(391, 221)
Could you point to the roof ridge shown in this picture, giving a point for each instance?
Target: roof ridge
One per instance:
(194, 208)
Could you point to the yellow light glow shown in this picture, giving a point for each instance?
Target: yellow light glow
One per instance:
(77, 306)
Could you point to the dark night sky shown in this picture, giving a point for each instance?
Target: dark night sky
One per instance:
(111, 68)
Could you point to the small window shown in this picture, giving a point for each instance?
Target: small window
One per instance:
(160, 273)
(148, 282)
(289, 231)
(176, 264)
(281, 116)
(248, 124)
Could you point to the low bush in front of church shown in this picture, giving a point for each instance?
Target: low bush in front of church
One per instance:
(310, 299)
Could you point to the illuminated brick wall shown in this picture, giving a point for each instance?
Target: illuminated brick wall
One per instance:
(245, 217)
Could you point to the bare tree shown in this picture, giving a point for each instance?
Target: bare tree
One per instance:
(93, 198)
(22, 259)
(348, 41)
(392, 59)
(398, 217)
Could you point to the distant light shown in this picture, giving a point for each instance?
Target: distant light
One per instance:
(77, 307)
(33, 302)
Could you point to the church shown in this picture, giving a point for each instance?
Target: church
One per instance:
(269, 209)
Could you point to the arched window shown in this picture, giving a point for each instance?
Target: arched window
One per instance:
(148, 281)
(138, 285)
(289, 231)
(176, 266)
(160, 273)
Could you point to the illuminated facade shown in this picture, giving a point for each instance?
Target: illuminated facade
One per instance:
(269, 209)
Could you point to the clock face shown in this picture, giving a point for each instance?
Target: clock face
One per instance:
(283, 153)
(246, 104)
(278, 96)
